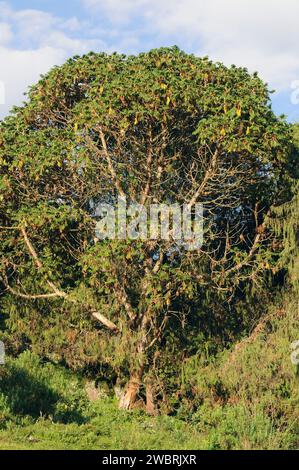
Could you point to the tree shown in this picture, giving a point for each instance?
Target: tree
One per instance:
(284, 218)
(162, 127)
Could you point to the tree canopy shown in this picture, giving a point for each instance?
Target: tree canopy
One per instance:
(160, 127)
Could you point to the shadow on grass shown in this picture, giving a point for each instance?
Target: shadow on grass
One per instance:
(27, 395)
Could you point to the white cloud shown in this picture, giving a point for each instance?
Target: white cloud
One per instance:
(73, 24)
(261, 35)
(32, 42)
(5, 33)
(22, 68)
(118, 11)
(5, 10)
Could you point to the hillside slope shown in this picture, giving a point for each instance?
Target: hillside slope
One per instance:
(247, 398)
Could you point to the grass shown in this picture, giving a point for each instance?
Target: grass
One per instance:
(43, 406)
(109, 430)
(246, 398)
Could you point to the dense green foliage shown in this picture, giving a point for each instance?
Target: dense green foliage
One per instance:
(187, 333)
(161, 127)
(285, 222)
(246, 398)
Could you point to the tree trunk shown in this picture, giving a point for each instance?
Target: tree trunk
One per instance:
(128, 399)
(150, 405)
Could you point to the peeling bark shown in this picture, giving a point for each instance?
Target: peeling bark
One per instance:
(130, 395)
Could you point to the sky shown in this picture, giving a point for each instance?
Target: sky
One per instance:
(261, 35)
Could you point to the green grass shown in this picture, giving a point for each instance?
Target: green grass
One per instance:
(111, 429)
(43, 406)
(246, 398)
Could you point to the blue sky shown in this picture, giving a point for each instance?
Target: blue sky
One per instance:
(258, 34)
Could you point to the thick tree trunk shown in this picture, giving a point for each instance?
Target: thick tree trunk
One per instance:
(128, 399)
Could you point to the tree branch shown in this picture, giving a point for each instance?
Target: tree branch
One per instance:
(148, 171)
(39, 265)
(29, 296)
(110, 164)
(109, 324)
(56, 292)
